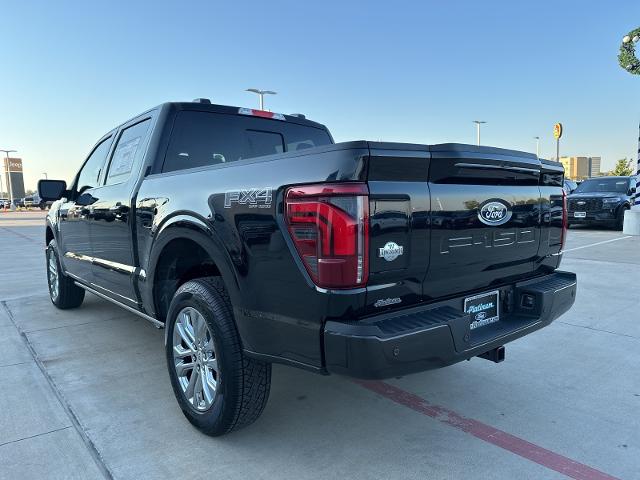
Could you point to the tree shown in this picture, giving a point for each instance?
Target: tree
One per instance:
(623, 168)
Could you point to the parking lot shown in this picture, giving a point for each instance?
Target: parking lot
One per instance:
(85, 393)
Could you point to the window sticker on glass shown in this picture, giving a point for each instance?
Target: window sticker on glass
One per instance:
(123, 157)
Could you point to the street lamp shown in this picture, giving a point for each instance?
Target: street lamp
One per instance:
(10, 192)
(45, 175)
(261, 94)
(478, 123)
(537, 146)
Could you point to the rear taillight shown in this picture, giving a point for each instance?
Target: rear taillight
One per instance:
(329, 225)
(565, 220)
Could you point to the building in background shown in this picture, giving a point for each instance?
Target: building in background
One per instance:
(579, 168)
(12, 176)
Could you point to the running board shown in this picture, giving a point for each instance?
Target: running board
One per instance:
(156, 323)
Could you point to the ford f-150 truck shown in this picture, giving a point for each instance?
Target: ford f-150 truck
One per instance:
(253, 238)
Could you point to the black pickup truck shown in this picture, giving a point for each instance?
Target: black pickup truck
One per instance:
(254, 239)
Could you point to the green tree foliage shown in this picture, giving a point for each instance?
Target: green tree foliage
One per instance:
(623, 168)
(627, 56)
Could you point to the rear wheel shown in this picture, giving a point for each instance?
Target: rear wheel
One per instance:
(218, 388)
(63, 291)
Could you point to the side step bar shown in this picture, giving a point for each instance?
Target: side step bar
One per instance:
(496, 355)
(155, 322)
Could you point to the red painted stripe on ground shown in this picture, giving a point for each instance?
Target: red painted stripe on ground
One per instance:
(489, 434)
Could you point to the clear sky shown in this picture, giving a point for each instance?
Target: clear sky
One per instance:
(397, 71)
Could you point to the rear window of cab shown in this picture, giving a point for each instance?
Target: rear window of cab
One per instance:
(204, 138)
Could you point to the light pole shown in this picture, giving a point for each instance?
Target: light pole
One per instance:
(8, 170)
(45, 175)
(537, 146)
(478, 123)
(261, 94)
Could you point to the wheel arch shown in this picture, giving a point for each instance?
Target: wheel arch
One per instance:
(48, 234)
(201, 254)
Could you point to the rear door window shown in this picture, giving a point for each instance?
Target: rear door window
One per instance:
(128, 152)
(204, 138)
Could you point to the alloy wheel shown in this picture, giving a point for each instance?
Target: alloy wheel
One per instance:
(194, 359)
(52, 274)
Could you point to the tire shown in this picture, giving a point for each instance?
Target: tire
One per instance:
(64, 293)
(218, 388)
(620, 219)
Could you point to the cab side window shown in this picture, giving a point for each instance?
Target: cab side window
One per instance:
(128, 152)
(90, 172)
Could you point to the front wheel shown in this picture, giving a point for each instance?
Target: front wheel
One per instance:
(63, 291)
(218, 388)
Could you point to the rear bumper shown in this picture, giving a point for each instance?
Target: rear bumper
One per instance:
(430, 337)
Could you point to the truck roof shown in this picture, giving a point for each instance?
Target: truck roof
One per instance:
(202, 106)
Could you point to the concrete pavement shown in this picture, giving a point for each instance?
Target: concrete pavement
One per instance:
(85, 393)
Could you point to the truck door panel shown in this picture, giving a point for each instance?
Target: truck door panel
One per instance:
(75, 214)
(115, 262)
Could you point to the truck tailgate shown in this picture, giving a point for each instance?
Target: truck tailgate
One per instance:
(467, 218)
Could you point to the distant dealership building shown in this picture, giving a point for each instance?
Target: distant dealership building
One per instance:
(579, 168)
(13, 181)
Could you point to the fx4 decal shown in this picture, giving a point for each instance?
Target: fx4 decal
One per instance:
(251, 197)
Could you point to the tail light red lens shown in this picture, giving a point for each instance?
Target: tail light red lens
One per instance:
(329, 225)
(565, 220)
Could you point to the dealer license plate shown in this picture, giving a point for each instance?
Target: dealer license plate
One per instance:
(484, 308)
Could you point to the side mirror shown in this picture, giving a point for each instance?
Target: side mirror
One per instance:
(51, 190)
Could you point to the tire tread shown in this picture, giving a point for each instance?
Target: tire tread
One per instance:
(69, 294)
(252, 376)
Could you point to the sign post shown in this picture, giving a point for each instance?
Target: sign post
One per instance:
(557, 133)
(13, 166)
(631, 224)
(635, 205)
(631, 63)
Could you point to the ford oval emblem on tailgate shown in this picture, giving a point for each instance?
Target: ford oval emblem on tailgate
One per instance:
(494, 212)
